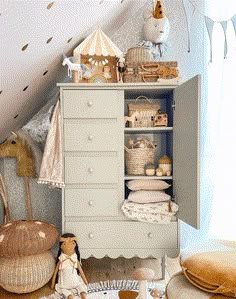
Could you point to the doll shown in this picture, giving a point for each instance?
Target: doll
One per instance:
(68, 278)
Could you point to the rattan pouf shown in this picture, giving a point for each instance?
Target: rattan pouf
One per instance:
(27, 273)
(26, 237)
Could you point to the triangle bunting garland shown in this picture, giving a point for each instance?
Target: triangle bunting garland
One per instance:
(189, 10)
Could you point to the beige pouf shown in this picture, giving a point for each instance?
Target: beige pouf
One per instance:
(27, 273)
(179, 287)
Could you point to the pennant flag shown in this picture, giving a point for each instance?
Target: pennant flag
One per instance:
(209, 25)
(233, 19)
(224, 26)
(189, 10)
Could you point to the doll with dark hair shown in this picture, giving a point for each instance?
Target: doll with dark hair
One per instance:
(68, 278)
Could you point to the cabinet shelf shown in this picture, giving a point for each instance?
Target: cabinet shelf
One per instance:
(146, 177)
(148, 130)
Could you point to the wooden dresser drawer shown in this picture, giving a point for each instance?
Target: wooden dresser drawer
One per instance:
(92, 103)
(91, 135)
(124, 234)
(89, 170)
(91, 202)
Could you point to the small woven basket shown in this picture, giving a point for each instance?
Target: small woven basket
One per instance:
(136, 159)
(27, 273)
(145, 112)
(138, 55)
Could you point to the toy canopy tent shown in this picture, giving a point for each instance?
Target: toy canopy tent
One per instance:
(99, 53)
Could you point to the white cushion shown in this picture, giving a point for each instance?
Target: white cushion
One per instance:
(147, 185)
(148, 196)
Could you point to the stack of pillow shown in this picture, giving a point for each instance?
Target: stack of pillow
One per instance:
(148, 201)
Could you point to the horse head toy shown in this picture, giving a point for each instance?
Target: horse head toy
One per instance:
(21, 146)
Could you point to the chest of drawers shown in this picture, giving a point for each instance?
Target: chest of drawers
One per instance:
(93, 145)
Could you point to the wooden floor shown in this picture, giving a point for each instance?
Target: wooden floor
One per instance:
(107, 269)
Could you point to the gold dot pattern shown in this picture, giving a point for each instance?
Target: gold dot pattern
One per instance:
(49, 40)
(50, 5)
(25, 47)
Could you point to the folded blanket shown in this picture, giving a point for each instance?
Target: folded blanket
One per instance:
(161, 212)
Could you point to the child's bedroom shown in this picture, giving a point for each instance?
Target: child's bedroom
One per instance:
(117, 149)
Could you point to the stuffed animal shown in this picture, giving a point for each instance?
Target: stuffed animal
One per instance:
(68, 278)
(157, 27)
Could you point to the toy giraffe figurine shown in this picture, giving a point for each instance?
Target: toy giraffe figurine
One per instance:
(68, 278)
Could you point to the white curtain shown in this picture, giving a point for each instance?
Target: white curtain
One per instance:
(221, 121)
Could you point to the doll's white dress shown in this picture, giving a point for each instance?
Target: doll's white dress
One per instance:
(69, 282)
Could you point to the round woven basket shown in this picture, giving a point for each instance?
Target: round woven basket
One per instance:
(136, 159)
(27, 273)
(21, 238)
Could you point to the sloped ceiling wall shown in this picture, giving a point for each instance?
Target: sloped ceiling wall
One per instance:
(33, 36)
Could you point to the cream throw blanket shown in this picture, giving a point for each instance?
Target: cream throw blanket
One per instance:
(52, 172)
(161, 212)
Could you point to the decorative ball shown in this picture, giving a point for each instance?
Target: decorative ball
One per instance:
(21, 238)
(27, 273)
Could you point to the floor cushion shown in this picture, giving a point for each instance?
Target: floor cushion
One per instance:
(211, 268)
(180, 288)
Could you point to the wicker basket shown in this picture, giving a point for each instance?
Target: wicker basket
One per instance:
(24, 237)
(26, 274)
(138, 55)
(136, 159)
(151, 72)
(19, 238)
(144, 112)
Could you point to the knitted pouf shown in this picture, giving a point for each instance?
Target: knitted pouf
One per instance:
(21, 238)
(27, 273)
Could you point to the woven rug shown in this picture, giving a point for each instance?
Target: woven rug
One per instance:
(110, 289)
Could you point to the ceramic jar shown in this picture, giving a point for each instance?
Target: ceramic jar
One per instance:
(165, 163)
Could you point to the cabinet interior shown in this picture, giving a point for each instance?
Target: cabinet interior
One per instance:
(161, 136)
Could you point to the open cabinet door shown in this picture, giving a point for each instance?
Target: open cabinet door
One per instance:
(186, 150)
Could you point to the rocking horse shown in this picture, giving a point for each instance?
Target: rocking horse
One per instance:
(28, 156)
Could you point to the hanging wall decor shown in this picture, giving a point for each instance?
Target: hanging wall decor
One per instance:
(100, 54)
(213, 12)
(156, 27)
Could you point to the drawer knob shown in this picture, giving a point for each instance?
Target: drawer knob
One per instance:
(90, 235)
(90, 170)
(90, 203)
(90, 137)
(90, 103)
(150, 235)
